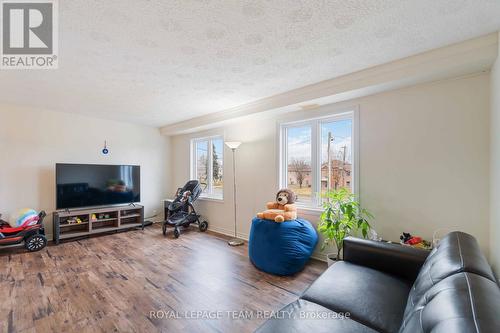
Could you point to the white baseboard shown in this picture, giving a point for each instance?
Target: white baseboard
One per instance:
(228, 232)
(319, 256)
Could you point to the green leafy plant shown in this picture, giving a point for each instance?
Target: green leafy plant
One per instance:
(342, 216)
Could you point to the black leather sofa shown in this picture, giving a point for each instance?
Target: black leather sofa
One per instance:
(383, 287)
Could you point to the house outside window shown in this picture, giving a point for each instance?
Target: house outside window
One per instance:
(207, 165)
(317, 155)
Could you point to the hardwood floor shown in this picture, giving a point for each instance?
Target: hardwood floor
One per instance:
(125, 282)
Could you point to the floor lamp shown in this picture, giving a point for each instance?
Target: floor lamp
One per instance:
(233, 145)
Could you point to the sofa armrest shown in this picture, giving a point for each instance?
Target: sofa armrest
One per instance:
(395, 259)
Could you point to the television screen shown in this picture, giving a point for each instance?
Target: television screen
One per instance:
(85, 185)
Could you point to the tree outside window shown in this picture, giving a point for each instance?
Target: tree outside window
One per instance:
(207, 165)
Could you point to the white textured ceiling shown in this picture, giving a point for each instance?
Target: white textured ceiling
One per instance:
(159, 62)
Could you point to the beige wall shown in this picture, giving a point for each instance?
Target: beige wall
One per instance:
(495, 168)
(424, 160)
(32, 141)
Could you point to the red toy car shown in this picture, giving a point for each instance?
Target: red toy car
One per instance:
(32, 235)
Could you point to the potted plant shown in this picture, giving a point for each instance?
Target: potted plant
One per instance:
(342, 216)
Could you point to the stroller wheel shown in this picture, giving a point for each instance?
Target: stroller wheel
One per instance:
(177, 233)
(35, 242)
(203, 226)
(164, 229)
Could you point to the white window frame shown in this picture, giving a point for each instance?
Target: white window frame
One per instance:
(209, 191)
(315, 123)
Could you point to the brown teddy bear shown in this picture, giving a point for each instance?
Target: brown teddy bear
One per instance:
(282, 209)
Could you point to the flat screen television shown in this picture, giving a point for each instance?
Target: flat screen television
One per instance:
(87, 185)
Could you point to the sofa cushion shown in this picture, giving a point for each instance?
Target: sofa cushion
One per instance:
(457, 252)
(464, 302)
(304, 316)
(373, 298)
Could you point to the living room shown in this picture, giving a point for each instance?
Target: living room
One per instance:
(282, 166)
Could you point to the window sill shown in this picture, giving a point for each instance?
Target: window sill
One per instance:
(308, 210)
(214, 199)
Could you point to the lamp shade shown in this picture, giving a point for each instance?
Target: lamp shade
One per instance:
(233, 144)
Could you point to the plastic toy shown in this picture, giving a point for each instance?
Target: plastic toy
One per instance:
(74, 220)
(409, 240)
(30, 230)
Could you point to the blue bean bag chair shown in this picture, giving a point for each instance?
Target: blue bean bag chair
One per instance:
(281, 248)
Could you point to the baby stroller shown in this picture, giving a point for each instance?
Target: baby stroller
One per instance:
(181, 211)
(32, 235)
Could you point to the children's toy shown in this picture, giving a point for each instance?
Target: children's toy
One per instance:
(24, 217)
(29, 228)
(181, 211)
(74, 220)
(185, 196)
(282, 209)
(409, 240)
(405, 237)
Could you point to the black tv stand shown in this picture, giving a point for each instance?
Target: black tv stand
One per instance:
(96, 220)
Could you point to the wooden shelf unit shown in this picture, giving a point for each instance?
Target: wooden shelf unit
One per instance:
(114, 218)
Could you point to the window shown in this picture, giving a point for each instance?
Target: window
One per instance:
(317, 155)
(299, 161)
(207, 165)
